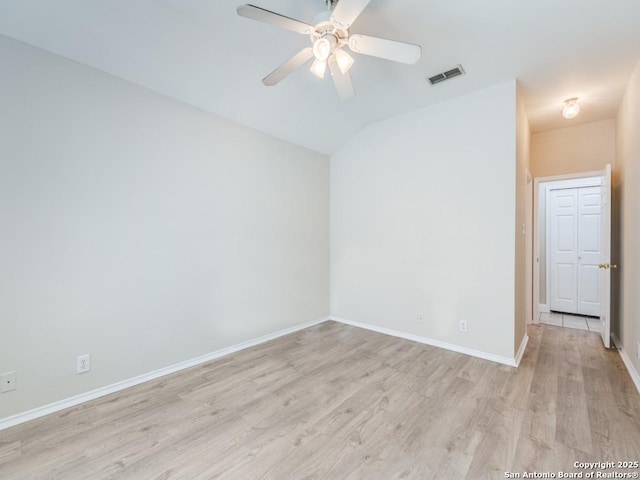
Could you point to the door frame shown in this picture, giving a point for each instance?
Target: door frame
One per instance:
(528, 247)
(540, 187)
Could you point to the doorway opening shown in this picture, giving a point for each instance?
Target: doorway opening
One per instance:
(571, 244)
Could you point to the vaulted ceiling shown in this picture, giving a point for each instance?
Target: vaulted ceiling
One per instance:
(202, 53)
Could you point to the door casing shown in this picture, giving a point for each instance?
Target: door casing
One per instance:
(540, 188)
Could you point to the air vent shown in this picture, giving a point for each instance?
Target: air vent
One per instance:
(441, 77)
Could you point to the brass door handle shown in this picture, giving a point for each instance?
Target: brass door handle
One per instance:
(607, 265)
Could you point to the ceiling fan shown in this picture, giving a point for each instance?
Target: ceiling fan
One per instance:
(329, 35)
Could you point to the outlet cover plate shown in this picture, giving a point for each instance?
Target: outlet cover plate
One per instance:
(83, 363)
(8, 381)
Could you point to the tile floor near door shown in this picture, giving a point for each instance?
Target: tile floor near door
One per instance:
(579, 322)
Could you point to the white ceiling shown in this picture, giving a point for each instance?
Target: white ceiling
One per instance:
(201, 52)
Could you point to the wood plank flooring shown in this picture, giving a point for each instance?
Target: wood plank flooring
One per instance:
(338, 402)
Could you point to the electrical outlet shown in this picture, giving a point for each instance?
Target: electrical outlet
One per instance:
(8, 381)
(463, 325)
(83, 363)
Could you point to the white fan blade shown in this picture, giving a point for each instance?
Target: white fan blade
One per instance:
(272, 18)
(289, 66)
(347, 11)
(342, 81)
(383, 48)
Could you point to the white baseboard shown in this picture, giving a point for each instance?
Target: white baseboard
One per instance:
(430, 341)
(521, 350)
(630, 367)
(116, 387)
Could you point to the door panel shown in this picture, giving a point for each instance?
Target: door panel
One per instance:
(563, 206)
(589, 250)
(566, 275)
(566, 233)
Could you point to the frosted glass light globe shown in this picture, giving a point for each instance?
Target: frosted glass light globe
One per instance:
(571, 109)
(322, 48)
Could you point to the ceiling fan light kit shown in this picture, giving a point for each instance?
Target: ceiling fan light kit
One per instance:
(319, 67)
(323, 47)
(344, 61)
(329, 36)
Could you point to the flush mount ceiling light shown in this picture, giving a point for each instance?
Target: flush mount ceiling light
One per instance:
(571, 108)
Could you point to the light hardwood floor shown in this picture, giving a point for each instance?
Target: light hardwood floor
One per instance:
(338, 402)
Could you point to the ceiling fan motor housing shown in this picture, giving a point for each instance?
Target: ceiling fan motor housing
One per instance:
(325, 28)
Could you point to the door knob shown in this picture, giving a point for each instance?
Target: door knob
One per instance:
(607, 265)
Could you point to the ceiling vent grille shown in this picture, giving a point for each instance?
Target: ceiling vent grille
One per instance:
(451, 73)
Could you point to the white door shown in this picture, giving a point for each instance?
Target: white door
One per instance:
(605, 259)
(563, 252)
(575, 250)
(589, 251)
